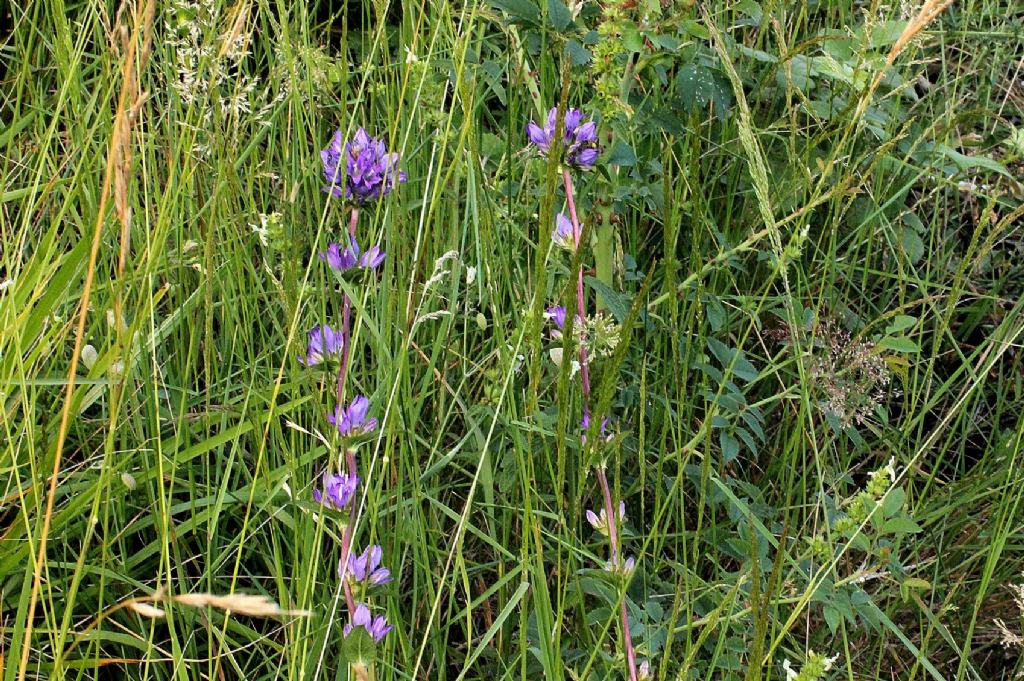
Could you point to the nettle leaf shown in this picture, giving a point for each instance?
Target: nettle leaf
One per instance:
(358, 647)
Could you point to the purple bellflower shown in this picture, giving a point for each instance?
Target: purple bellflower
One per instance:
(323, 341)
(370, 171)
(366, 567)
(352, 420)
(581, 147)
(563, 234)
(349, 258)
(556, 314)
(377, 626)
(338, 490)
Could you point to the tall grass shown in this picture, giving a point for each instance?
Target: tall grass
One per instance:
(775, 256)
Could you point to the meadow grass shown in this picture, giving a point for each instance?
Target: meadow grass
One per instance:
(807, 226)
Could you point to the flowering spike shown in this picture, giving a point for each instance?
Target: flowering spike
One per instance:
(370, 171)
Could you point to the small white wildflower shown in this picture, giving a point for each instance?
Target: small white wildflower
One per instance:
(89, 357)
(470, 275)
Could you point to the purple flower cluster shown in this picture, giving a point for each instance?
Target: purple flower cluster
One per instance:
(370, 171)
(349, 258)
(353, 420)
(377, 627)
(323, 341)
(580, 138)
(365, 568)
(338, 490)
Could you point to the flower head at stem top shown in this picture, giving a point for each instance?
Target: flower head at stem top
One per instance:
(370, 171)
(377, 626)
(352, 420)
(343, 260)
(563, 235)
(600, 521)
(323, 341)
(366, 567)
(338, 490)
(580, 138)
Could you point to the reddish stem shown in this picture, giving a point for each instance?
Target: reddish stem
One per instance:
(346, 537)
(577, 234)
(346, 314)
(606, 492)
(350, 455)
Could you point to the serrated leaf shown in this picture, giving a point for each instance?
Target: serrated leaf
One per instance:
(730, 446)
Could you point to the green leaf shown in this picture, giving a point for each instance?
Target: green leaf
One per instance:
(893, 502)
(622, 154)
(358, 647)
(832, 618)
(900, 323)
(899, 344)
(521, 11)
(558, 15)
(730, 446)
(632, 40)
(901, 525)
(617, 304)
(913, 245)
